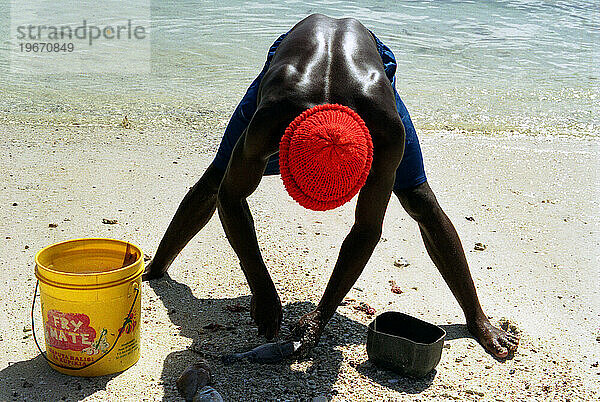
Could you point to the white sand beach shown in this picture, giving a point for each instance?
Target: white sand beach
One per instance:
(534, 204)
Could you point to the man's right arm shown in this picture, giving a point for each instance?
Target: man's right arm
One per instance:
(241, 179)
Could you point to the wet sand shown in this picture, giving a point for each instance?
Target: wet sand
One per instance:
(532, 201)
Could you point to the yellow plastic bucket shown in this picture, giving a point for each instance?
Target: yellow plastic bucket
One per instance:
(90, 296)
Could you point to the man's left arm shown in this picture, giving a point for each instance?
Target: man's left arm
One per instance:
(358, 245)
(360, 242)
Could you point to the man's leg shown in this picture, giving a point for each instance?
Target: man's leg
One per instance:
(200, 203)
(196, 209)
(446, 251)
(440, 237)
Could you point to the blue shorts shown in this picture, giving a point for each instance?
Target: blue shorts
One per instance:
(410, 172)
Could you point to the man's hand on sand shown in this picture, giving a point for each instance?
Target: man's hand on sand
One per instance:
(308, 331)
(495, 340)
(265, 310)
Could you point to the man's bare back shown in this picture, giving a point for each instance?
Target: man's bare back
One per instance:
(327, 61)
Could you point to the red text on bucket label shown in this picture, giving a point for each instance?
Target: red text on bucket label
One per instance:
(69, 331)
(70, 360)
(129, 324)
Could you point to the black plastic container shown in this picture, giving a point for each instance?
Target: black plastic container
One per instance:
(404, 344)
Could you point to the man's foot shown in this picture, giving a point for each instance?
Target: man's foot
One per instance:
(152, 271)
(265, 310)
(496, 341)
(308, 331)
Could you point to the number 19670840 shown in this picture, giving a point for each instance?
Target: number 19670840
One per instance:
(46, 47)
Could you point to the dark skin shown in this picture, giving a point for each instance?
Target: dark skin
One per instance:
(324, 60)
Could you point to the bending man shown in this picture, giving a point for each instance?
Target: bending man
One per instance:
(325, 114)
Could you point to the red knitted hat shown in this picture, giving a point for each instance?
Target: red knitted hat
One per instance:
(325, 156)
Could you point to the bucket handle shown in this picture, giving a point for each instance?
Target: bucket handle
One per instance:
(125, 322)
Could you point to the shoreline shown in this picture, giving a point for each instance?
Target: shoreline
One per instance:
(534, 204)
(195, 117)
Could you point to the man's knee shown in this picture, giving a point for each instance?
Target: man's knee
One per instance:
(211, 179)
(420, 203)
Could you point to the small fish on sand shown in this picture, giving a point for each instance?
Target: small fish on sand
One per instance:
(268, 353)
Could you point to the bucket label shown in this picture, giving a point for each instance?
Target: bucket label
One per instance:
(129, 324)
(69, 331)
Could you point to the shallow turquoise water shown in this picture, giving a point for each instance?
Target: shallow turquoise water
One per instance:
(530, 66)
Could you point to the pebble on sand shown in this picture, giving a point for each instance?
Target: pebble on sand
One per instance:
(474, 392)
(125, 123)
(480, 246)
(109, 221)
(401, 263)
(213, 326)
(236, 308)
(365, 308)
(395, 288)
